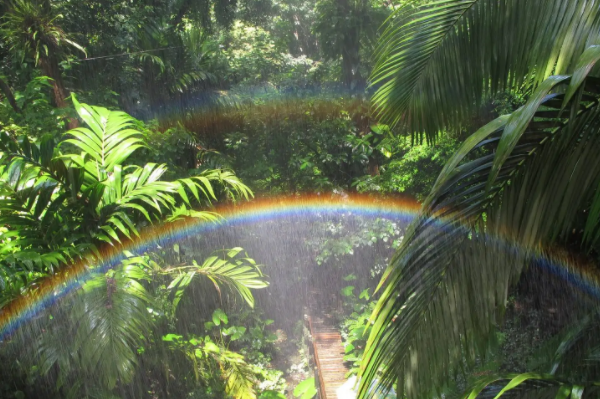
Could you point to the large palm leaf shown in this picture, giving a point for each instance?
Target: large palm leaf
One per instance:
(529, 174)
(109, 141)
(35, 187)
(450, 55)
(240, 274)
(107, 321)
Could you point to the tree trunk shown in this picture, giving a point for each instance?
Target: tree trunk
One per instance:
(351, 59)
(351, 43)
(152, 89)
(50, 68)
(373, 167)
(9, 95)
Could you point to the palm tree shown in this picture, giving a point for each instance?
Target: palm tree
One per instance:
(29, 27)
(58, 201)
(524, 181)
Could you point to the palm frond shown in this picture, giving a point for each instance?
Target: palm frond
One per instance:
(451, 55)
(112, 325)
(214, 361)
(28, 28)
(240, 274)
(109, 321)
(445, 288)
(110, 139)
(238, 374)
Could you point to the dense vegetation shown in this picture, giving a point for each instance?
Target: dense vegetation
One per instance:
(121, 116)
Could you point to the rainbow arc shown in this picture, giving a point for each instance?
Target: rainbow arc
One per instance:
(315, 206)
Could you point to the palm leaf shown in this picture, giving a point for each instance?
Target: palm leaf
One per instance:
(108, 321)
(113, 321)
(238, 375)
(238, 273)
(56, 206)
(110, 139)
(451, 55)
(445, 288)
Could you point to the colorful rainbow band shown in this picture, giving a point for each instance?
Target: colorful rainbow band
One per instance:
(73, 276)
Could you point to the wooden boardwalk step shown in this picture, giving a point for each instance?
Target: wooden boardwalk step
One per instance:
(329, 356)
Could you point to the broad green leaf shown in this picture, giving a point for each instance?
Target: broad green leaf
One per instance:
(586, 62)
(171, 337)
(365, 294)
(348, 291)
(219, 316)
(306, 389)
(518, 380)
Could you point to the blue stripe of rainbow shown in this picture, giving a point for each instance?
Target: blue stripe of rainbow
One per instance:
(74, 275)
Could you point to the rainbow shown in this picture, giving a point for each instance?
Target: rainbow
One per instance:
(76, 274)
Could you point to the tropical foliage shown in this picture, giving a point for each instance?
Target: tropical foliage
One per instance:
(525, 179)
(61, 200)
(486, 45)
(115, 331)
(559, 368)
(485, 111)
(30, 31)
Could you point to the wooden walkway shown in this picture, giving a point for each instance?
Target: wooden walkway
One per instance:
(328, 351)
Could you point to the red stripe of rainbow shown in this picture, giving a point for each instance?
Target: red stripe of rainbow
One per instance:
(402, 210)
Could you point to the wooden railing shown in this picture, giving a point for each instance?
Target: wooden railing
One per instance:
(319, 370)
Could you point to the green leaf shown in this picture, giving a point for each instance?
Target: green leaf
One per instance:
(219, 316)
(517, 123)
(238, 333)
(171, 337)
(110, 140)
(577, 392)
(438, 63)
(586, 62)
(563, 392)
(529, 187)
(208, 325)
(518, 380)
(211, 347)
(365, 294)
(470, 143)
(306, 389)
